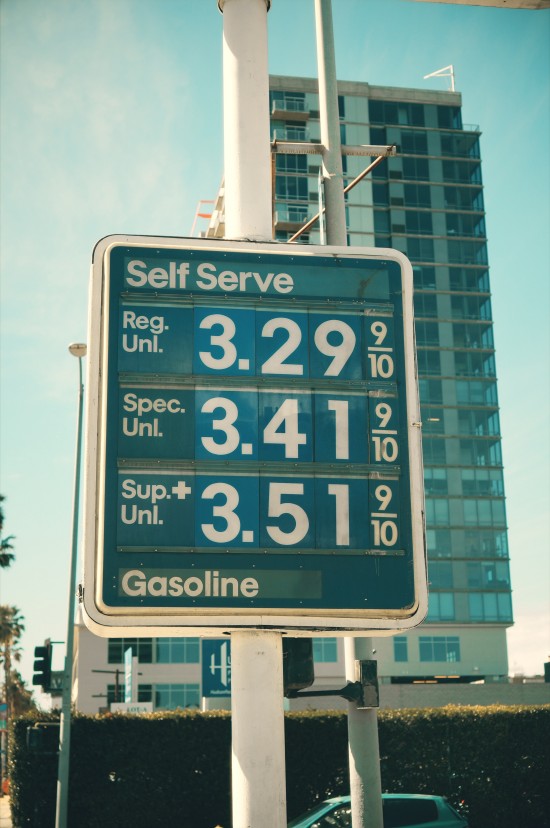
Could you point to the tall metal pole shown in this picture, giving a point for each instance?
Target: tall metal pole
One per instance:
(247, 150)
(78, 350)
(258, 762)
(335, 216)
(364, 756)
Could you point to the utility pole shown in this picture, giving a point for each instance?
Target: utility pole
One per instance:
(77, 349)
(258, 760)
(364, 754)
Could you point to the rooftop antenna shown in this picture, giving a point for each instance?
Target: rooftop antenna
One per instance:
(446, 72)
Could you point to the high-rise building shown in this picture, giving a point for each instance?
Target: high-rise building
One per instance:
(427, 202)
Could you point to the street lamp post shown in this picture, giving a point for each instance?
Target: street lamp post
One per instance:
(77, 349)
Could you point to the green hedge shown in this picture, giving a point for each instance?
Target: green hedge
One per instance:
(168, 769)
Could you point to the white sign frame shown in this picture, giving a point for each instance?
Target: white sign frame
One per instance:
(130, 623)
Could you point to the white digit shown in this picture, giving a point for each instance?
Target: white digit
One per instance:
(276, 508)
(226, 511)
(385, 533)
(341, 493)
(225, 424)
(381, 365)
(383, 412)
(287, 417)
(341, 427)
(384, 495)
(275, 364)
(222, 340)
(379, 330)
(385, 448)
(341, 352)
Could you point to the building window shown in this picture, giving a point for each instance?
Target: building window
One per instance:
(439, 648)
(480, 452)
(490, 606)
(440, 574)
(141, 647)
(417, 195)
(427, 333)
(172, 696)
(291, 163)
(486, 544)
(429, 362)
(400, 648)
(482, 482)
(390, 112)
(288, 101)
(435, 481)
(441, 606)
(492, 575)
(164, 650)
(474, 392)
(414, 142)
(449, 116)
(437, 511)
(325, 650)
(145, 692)
(474, 363)
(484, 512)
(291, 187)
(434, 451)
(416, 169)
(431, 391)
(418, 223)
(115, 692)
(177, 650)
(439, 542)
(467, 252)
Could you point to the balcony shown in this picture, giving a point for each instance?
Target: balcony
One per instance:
(290, 109)
(290, 218)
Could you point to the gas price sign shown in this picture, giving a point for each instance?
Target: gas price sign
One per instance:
(254, 455)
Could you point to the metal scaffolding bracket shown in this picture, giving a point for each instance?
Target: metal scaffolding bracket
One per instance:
(316, 148)
(363, 692)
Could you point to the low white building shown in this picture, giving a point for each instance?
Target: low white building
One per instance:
(423, 668)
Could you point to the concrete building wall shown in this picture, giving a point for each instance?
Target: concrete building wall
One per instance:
(90, 687)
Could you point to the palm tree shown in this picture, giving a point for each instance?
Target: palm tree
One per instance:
(6, 557)
(11, 630)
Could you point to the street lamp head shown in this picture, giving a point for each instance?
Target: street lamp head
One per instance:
(78, 349)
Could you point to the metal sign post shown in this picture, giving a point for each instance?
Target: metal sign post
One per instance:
(364, 755)
(258, 749)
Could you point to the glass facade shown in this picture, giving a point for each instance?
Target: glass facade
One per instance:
(325, 650)
(427, 202)
(155, 650)
(164, 696)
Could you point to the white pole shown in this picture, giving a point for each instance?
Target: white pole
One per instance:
(335, 216)
(77, 349)
(258, 745)
(247, 151)
(364, 751)
(364, 755)
(258, 760)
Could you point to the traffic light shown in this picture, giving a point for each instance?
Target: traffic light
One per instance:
(43, 665)
(298, 670)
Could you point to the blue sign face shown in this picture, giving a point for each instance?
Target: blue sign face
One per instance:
(255, 439)
(216, 668)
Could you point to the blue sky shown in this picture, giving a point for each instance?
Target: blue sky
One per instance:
(111, 122)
